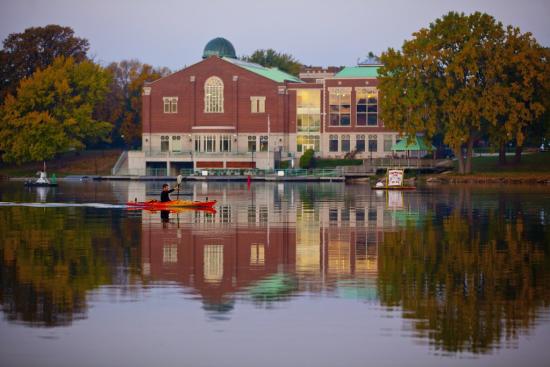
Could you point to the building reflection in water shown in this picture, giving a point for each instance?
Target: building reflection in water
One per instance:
(256, 235)
(467, 268)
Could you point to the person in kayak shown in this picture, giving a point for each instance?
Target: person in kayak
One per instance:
(165, 194)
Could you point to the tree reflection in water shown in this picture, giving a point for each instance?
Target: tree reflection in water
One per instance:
(469, 268)
(477, 278)
(51, 258)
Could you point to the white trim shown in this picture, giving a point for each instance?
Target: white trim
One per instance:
(212, 127)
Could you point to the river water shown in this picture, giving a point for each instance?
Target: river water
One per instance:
(282, 274)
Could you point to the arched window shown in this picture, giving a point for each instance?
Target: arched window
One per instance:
(213, 95)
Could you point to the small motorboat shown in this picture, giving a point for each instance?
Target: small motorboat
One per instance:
(31, 183)
(167, 205)
(42, 180)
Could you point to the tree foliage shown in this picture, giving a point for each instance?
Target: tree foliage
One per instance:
(53, 111)
(36, 48)
(122, 105)
(462, 76)
(272, 58)
(307, 160)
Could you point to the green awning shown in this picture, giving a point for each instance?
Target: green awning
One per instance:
(416, 144)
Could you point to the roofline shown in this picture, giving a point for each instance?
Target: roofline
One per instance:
(243, 68)
(175, 72)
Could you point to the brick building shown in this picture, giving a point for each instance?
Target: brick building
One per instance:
(226, 113)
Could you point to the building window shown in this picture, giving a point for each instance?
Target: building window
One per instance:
(213, 263)
(264, 142)
(360, 143)
(170, 104)
(197, 143)
(209, 143)
(308, 110)
(257, 104)
(305, 142)
(387, 143)
(372, 107)
(333, 215)
(373, 143)
(257, 254)
(345, 143)
(367, 106)
(176, 143)
(252, 143)
(308, 123)
(359, 215)
(164, 143)
(340, 106)
(333, 143)
(225, 143)
(213, 95)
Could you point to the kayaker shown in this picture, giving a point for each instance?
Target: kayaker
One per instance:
(165, 194)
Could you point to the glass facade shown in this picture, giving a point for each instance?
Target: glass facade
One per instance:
(308, 110)
(340, 106)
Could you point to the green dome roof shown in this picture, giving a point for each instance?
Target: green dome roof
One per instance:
(219, 47)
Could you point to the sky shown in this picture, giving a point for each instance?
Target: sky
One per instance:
(173, 33)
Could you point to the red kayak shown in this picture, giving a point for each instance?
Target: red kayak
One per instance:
(167, 205)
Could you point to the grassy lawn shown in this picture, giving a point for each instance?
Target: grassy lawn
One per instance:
(530, 163)
(91, 162)
(533, 168)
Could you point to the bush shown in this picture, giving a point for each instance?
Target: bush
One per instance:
(307, 160)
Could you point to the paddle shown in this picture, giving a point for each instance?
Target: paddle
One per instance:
(178, 180)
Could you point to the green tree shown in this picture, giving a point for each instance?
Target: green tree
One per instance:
(36, 48)
(463, 76)
(122, 105)
(271, 58)
(53, 111)
(307, 160)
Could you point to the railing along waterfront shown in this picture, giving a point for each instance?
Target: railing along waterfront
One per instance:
(256, 172)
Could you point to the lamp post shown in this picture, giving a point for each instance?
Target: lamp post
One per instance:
(268, 140)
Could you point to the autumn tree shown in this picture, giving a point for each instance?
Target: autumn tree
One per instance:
(36, 48)
(52, 111)
(271, 58)
(122, 105)
(462, 76)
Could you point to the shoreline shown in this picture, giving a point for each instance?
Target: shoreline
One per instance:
(488, 178)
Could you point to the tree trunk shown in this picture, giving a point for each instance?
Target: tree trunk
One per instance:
(469, 154)
(502, 154)
(517, 157)
(460, 158)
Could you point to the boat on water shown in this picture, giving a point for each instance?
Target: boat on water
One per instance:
(394, 180)
(173, 204)
(176, 210)
(42, 180)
